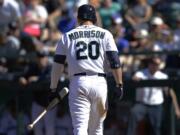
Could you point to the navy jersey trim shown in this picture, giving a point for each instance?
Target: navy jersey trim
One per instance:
(59, 58)
(113, 58)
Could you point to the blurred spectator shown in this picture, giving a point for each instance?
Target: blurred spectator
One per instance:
(149, 100)
(14, 34)
(160, 5)
(55, 13)
(35, 18)
(139, 14)
(177, 32)
(38, 72)
(8, 48)
(9, 12)
(168, 8)
(139, 42)
(97, 4)
(173, 60)
(62, 17)
(169, 44)
(107, 10)
(166, 41)
(3, 66)
(30, 44)
(67, 21)
(142, 41)
(163, 39)
(53, 37)
(157, 25)
(118, 31)
(143, 44)
(51, 5)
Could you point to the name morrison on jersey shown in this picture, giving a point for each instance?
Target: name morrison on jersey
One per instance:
(86, 34)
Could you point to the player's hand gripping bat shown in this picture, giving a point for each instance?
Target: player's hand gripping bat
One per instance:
(53, 103)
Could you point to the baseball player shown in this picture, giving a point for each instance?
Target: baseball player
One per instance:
(87, 49)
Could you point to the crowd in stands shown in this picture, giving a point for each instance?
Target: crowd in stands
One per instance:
(30, 27)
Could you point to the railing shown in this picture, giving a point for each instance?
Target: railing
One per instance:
(148, 52)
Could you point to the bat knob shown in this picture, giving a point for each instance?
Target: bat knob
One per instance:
(30, 127)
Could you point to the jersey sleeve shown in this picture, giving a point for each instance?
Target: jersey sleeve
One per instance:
(61, 47)
(110, 44)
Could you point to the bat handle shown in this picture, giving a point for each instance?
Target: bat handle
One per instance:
(53, 103)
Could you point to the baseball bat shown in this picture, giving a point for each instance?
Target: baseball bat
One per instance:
(53, 103)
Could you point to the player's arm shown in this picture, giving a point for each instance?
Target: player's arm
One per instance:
(117, 73)
(57, 69)
(115, 65)
(59, 61)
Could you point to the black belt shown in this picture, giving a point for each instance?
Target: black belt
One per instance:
(84, 74)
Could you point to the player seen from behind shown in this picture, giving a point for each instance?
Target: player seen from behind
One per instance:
(87, 49)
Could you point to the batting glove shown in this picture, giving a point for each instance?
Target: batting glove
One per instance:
(53, 93)
(118, 94)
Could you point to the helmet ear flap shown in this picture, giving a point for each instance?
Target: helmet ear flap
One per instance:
(87, 12)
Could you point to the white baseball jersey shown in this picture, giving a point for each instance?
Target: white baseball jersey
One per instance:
(85, 48)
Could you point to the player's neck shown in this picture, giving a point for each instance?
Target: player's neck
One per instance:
(86, 23)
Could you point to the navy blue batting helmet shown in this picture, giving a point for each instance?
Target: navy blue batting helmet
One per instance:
(87, 12)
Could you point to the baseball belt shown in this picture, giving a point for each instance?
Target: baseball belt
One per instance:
(84, 74)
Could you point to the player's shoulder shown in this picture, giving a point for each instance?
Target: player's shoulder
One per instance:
(71, 31)
(107, 34)
(104, 30)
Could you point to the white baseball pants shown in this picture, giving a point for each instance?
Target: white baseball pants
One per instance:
(88, 104)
